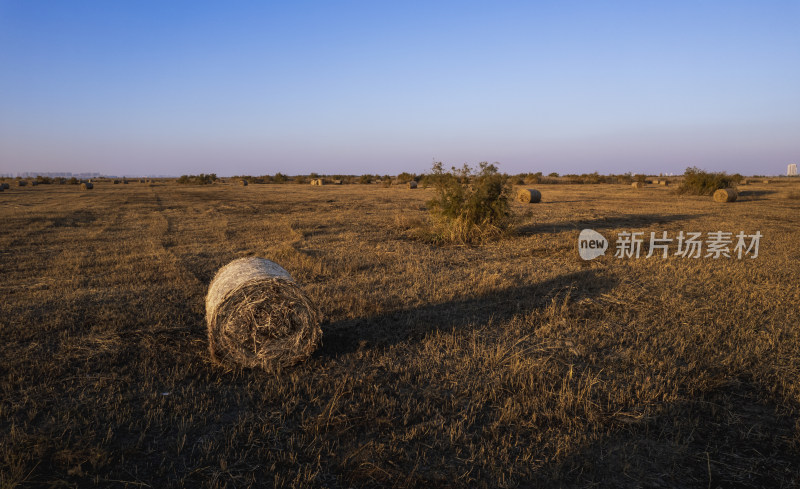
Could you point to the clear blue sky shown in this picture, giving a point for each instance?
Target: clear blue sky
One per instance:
(171, 87)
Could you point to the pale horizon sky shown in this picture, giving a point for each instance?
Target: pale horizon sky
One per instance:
(142, 87)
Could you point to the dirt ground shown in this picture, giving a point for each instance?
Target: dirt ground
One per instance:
(513, 363)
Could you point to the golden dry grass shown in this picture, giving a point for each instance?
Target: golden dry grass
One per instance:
(509, 364)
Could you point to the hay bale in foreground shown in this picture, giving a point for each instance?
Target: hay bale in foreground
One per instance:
(637, 185)
(87, 186)
(257, 316)
(412, 184)
(725, 195)
(529, 196)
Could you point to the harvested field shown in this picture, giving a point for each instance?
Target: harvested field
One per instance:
(510, 364)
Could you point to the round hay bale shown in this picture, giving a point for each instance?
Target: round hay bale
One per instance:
(5, 186)
(87, 186)
(529, 196)
(337, 182)
(243, 183)
(34, 183)
(125, 182)
(663, 183)
(725, 195)
(637, 185)
(116, 182)
(21, 183)
(412, 184)
(314, 181)
(257, 316)
(765, 181)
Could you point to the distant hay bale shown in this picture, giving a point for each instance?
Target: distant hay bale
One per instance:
(87, 186)
(257, 316)
(337, 182)
(243, 183)
(115, 182)
(663, 183)
(5, 186)
(412, 184)
(21, 183)
(637, 185)
(765, 181)
(34, 183)
(725, 195)
(313, 181)
(529, 196)
(125, 182)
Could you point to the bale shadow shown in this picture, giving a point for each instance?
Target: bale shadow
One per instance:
(628, 220)
(754, 194)
(74, 219)
(730, 436)
(384, 330)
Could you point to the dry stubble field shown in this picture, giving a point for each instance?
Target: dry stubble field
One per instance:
(509, 364)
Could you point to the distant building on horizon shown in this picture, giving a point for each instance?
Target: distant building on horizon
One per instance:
(792, 170)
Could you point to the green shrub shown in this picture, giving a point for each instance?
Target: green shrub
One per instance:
(469, 207)
(626, 178)
(201, 179)
(405, 177)
(699, 182)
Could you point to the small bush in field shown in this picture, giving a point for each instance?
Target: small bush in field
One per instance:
(699, 182)
(469, 207)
